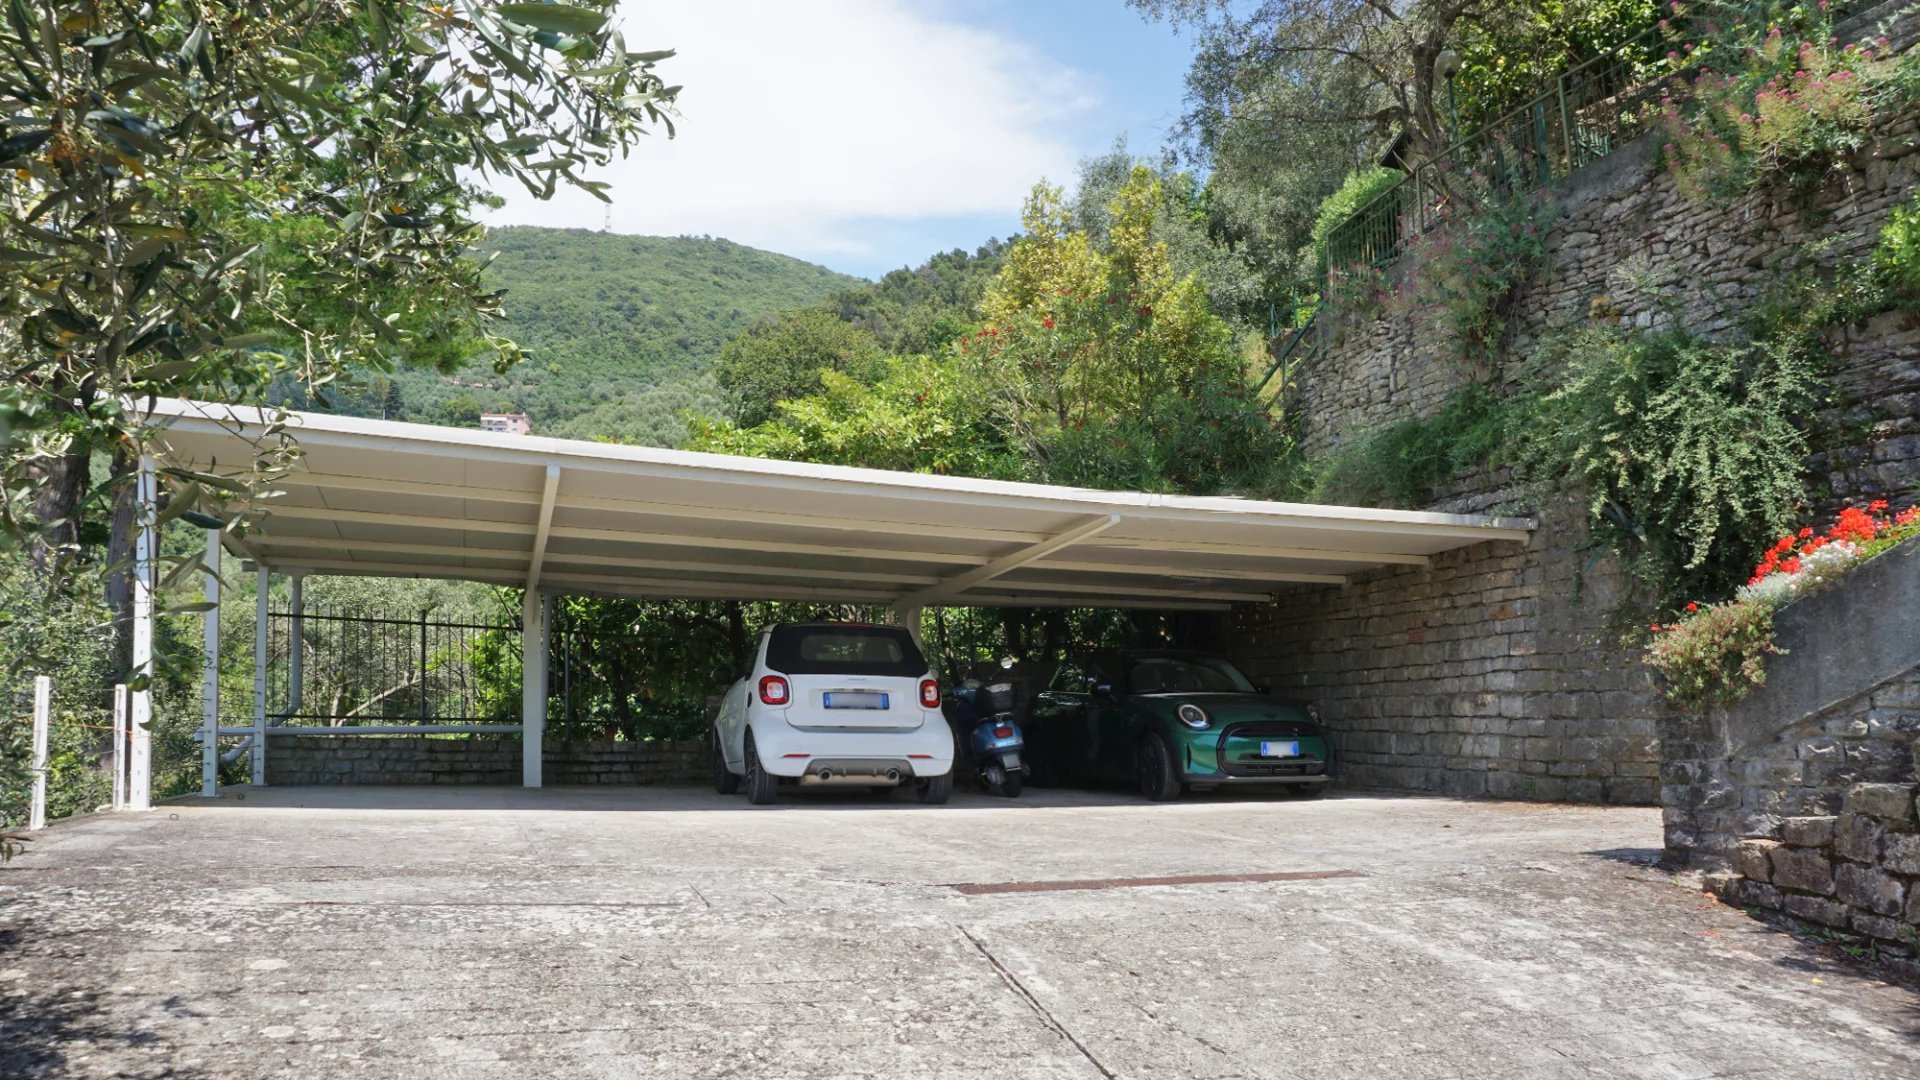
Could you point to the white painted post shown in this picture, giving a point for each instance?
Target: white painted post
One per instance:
(210, 685)
(42, 717)
(140, 718)
(120, 746)
(533, 686)
(259, 755)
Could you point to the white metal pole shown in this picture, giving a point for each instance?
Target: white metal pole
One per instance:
(533, 686)
(260, 677)
(140, 718)
(210, 684)
(120, 746)
(42, 717)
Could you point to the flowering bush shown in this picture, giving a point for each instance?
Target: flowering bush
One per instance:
(1787, 106)
(1465, 273)
(1714, 653)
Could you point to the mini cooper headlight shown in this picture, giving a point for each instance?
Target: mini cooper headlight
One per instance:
(1195, 717)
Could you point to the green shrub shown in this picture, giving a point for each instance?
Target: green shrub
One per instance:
(1716, 656)
(1896, 257)
(1402, 464)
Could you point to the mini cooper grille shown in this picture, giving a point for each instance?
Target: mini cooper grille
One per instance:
(1303, 767)
(1269, 729)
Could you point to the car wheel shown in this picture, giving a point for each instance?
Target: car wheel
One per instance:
(1153, 768)
(935, 790)
(724, 781)
(1306, 791)
(762, 786)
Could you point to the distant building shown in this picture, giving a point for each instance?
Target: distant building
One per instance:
(513, 423)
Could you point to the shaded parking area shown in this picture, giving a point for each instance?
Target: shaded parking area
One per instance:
(480, 933)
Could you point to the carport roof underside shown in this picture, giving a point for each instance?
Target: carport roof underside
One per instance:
(378, 498)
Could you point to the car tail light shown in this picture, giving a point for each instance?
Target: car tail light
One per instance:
(774, 690)
(1004, 731)
(929, 694)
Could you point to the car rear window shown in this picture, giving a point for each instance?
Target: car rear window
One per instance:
(844, 650)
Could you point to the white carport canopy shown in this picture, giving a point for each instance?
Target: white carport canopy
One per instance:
(380, 498)
(376, 498)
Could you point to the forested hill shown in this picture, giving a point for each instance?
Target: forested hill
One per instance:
(623, 331)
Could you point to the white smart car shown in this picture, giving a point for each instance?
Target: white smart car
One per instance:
(834, 704)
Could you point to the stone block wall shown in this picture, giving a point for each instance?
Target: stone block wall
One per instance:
(1466, 677)
(1856, 871)
(1498, 670)
(478, 759)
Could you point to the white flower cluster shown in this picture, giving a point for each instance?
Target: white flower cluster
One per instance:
(1817, 570)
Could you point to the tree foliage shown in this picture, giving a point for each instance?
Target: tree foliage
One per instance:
(144, 145)
(784, 356)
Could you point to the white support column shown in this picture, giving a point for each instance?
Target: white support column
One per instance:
(210, 685)
(42, 719)
(910, 617)
(533, 685)
(259, 748)
(140, 716)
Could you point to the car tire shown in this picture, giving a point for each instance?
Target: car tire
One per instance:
(1153, 768)
(762, 786)
(724, 781)
(1306, 791)
(936, 790)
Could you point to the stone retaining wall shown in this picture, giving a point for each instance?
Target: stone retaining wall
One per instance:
(1498, 670)
(1462, 678)
(479, 759)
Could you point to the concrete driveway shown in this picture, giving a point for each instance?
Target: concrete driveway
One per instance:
(424, 933)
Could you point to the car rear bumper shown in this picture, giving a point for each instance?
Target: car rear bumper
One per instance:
(793, 753)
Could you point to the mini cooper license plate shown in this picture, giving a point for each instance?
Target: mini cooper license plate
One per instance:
(1280, 749)
(853, 699)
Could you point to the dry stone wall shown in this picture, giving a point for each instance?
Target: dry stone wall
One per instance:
(1496, 670)
(479, 759)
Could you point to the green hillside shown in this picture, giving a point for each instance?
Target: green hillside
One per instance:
(622, 331)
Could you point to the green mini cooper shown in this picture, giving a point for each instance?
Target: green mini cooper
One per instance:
(1170, 720)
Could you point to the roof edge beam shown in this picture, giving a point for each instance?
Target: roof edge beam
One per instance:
(544, 528)
(967, 579)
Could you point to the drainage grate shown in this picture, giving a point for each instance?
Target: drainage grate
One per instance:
(992, 887)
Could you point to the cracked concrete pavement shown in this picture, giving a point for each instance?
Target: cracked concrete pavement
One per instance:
(480, 933)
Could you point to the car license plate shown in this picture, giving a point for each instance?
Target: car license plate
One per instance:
(1280, 749)
(854, 699)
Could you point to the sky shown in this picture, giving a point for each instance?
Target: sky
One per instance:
(868, 134)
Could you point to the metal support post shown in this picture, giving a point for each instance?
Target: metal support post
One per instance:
(259, 748)
(120, 746)
(210, 685)
(533, 686)
(42, 718)
(140, 718)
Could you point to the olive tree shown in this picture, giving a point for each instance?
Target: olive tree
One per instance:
(197, 196)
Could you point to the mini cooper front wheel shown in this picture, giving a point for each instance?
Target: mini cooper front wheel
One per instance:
(1153, 768)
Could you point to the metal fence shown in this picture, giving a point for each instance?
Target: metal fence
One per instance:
(360, 670)
(1589, 111)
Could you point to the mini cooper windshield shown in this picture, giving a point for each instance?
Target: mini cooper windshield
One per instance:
(1185, 675)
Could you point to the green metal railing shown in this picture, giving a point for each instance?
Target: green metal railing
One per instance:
(1299, 346)
(1589, 111)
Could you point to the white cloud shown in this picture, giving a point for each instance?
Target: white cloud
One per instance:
(800, 119)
